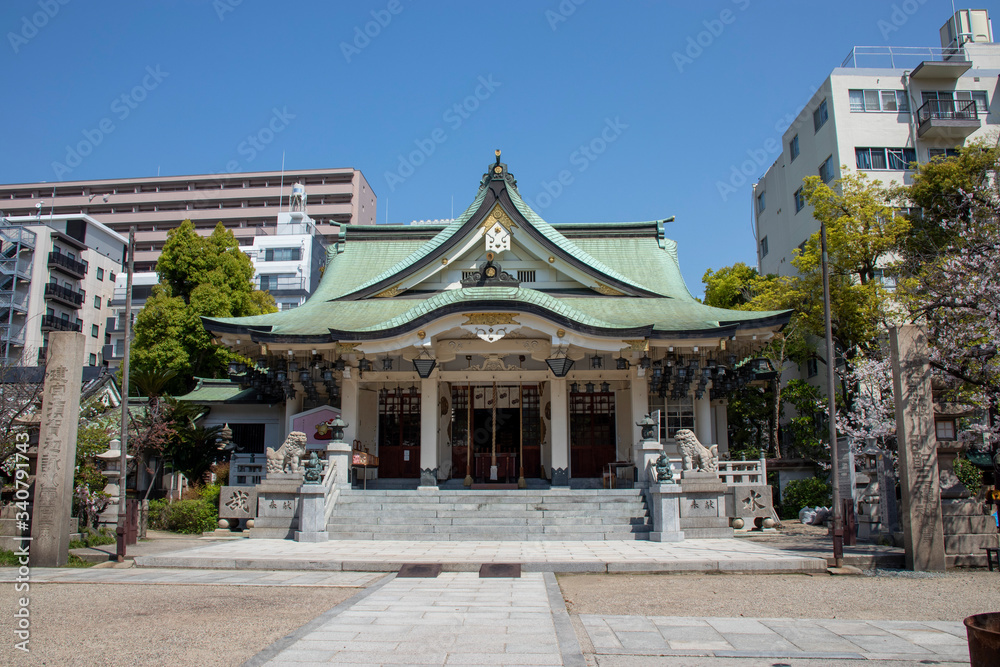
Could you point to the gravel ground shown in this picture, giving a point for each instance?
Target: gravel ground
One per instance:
(129, 625)
(950, 596)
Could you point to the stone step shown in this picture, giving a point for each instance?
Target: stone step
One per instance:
(497, 537)
(965, 560)
(346, 516)
(496, 507)
(969, 524)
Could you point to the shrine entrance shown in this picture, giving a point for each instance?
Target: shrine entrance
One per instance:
(502, 430)
(591, 432)
(399, 432)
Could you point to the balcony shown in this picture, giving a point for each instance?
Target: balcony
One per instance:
(283, 285)
(66, 264)
(947, 119)
(53, 323)
(64, 295)
(11, 334)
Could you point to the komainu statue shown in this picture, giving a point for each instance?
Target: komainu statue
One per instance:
(697, 457)
(289, 455)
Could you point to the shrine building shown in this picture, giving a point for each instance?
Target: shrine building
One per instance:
(500, 348)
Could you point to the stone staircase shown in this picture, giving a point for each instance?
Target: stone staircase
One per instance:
(509, 515)
(966, 532)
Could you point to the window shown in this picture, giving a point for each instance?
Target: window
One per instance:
(812, 367)
(95, 331)
(820, 115)
(945, 429)
(887, 279)
(97, 302)
(100, 273)
(93, 359)
(468, 275)
(677, 413)
(871, 101)
(268, 283)
(800, 200)
(958, 96)
(763, 247)
(884, 158)
(526, 276)
(111, 276)
(941, 153)
(793, 148)
(282, 254)
(760, 203)
(826, 170)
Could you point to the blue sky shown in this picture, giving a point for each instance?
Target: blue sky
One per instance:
(641, 109)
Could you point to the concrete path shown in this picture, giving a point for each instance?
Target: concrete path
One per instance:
(454, 619)
(713, 555)
(826, 639)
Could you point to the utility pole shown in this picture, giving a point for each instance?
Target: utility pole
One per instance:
(831, 363)
(120, 529)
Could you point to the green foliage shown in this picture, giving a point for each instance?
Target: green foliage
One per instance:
(800, 493)
(184, 516)
(807, 426)
(968, 474)
(199, 276)
(193, 449)
(8, 558)
(864, 229)
(76, 561)
(93, 538)
(210, 494)
(750, 412)
(730, 287)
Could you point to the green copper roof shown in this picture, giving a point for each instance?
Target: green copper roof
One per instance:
(372, 258)
(210, 390)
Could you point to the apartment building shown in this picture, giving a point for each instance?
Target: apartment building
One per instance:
(248, 204)
(882, 110)
(57, 273)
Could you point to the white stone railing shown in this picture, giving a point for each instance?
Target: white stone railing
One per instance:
(332, 493)
(743, 473)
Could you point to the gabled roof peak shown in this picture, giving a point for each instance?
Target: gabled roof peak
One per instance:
(497, 172)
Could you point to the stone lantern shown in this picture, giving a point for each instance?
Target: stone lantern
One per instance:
(648, 449)
(112, 470)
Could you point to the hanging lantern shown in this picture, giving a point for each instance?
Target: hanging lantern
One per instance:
(339, 365)
(293, 366)
(574, 388)
(590, 387)
(387, 363)
(605, 388)
(622, 363)
(644, 362)
(364, 365)
(328, 375)
(596, 362)
(304, 377)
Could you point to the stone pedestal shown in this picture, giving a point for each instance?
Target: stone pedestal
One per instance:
(923, 525)
(338, 454)
(277, 506)
(665, 505)
(645, 454)
(312, 512)
(749, 502)
(703, 506)
(53, 501)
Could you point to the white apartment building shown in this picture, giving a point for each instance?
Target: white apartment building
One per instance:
(57, 273)
(881, 110)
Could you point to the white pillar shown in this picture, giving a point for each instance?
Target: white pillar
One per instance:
(640, 404)
(292, 408)
(349, 408)
(560, 432)
(703, 419)
(428, 432)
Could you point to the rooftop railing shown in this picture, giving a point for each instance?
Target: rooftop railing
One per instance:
(895, 57)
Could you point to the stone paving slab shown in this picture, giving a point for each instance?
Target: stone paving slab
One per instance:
(43, 575)
(708, 555)
(456, 618)
(828, 639)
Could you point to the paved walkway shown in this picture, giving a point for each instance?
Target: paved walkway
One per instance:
(716, 555)
(454, 619)
(828, 639)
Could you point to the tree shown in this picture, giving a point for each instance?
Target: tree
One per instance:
(731, 287)
(199, 276)
(872, 414)
(954, 288)
(20, 397)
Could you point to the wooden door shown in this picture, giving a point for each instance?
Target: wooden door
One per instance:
(591, 433)
(399, 433)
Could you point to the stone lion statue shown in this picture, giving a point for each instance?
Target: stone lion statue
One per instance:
(696, 456)
(289, 455)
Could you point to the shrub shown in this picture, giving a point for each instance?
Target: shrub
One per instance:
(801, 493)
(969, 475)
(210, 494)
(94, 538)
(157, 514)
(184, 516)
